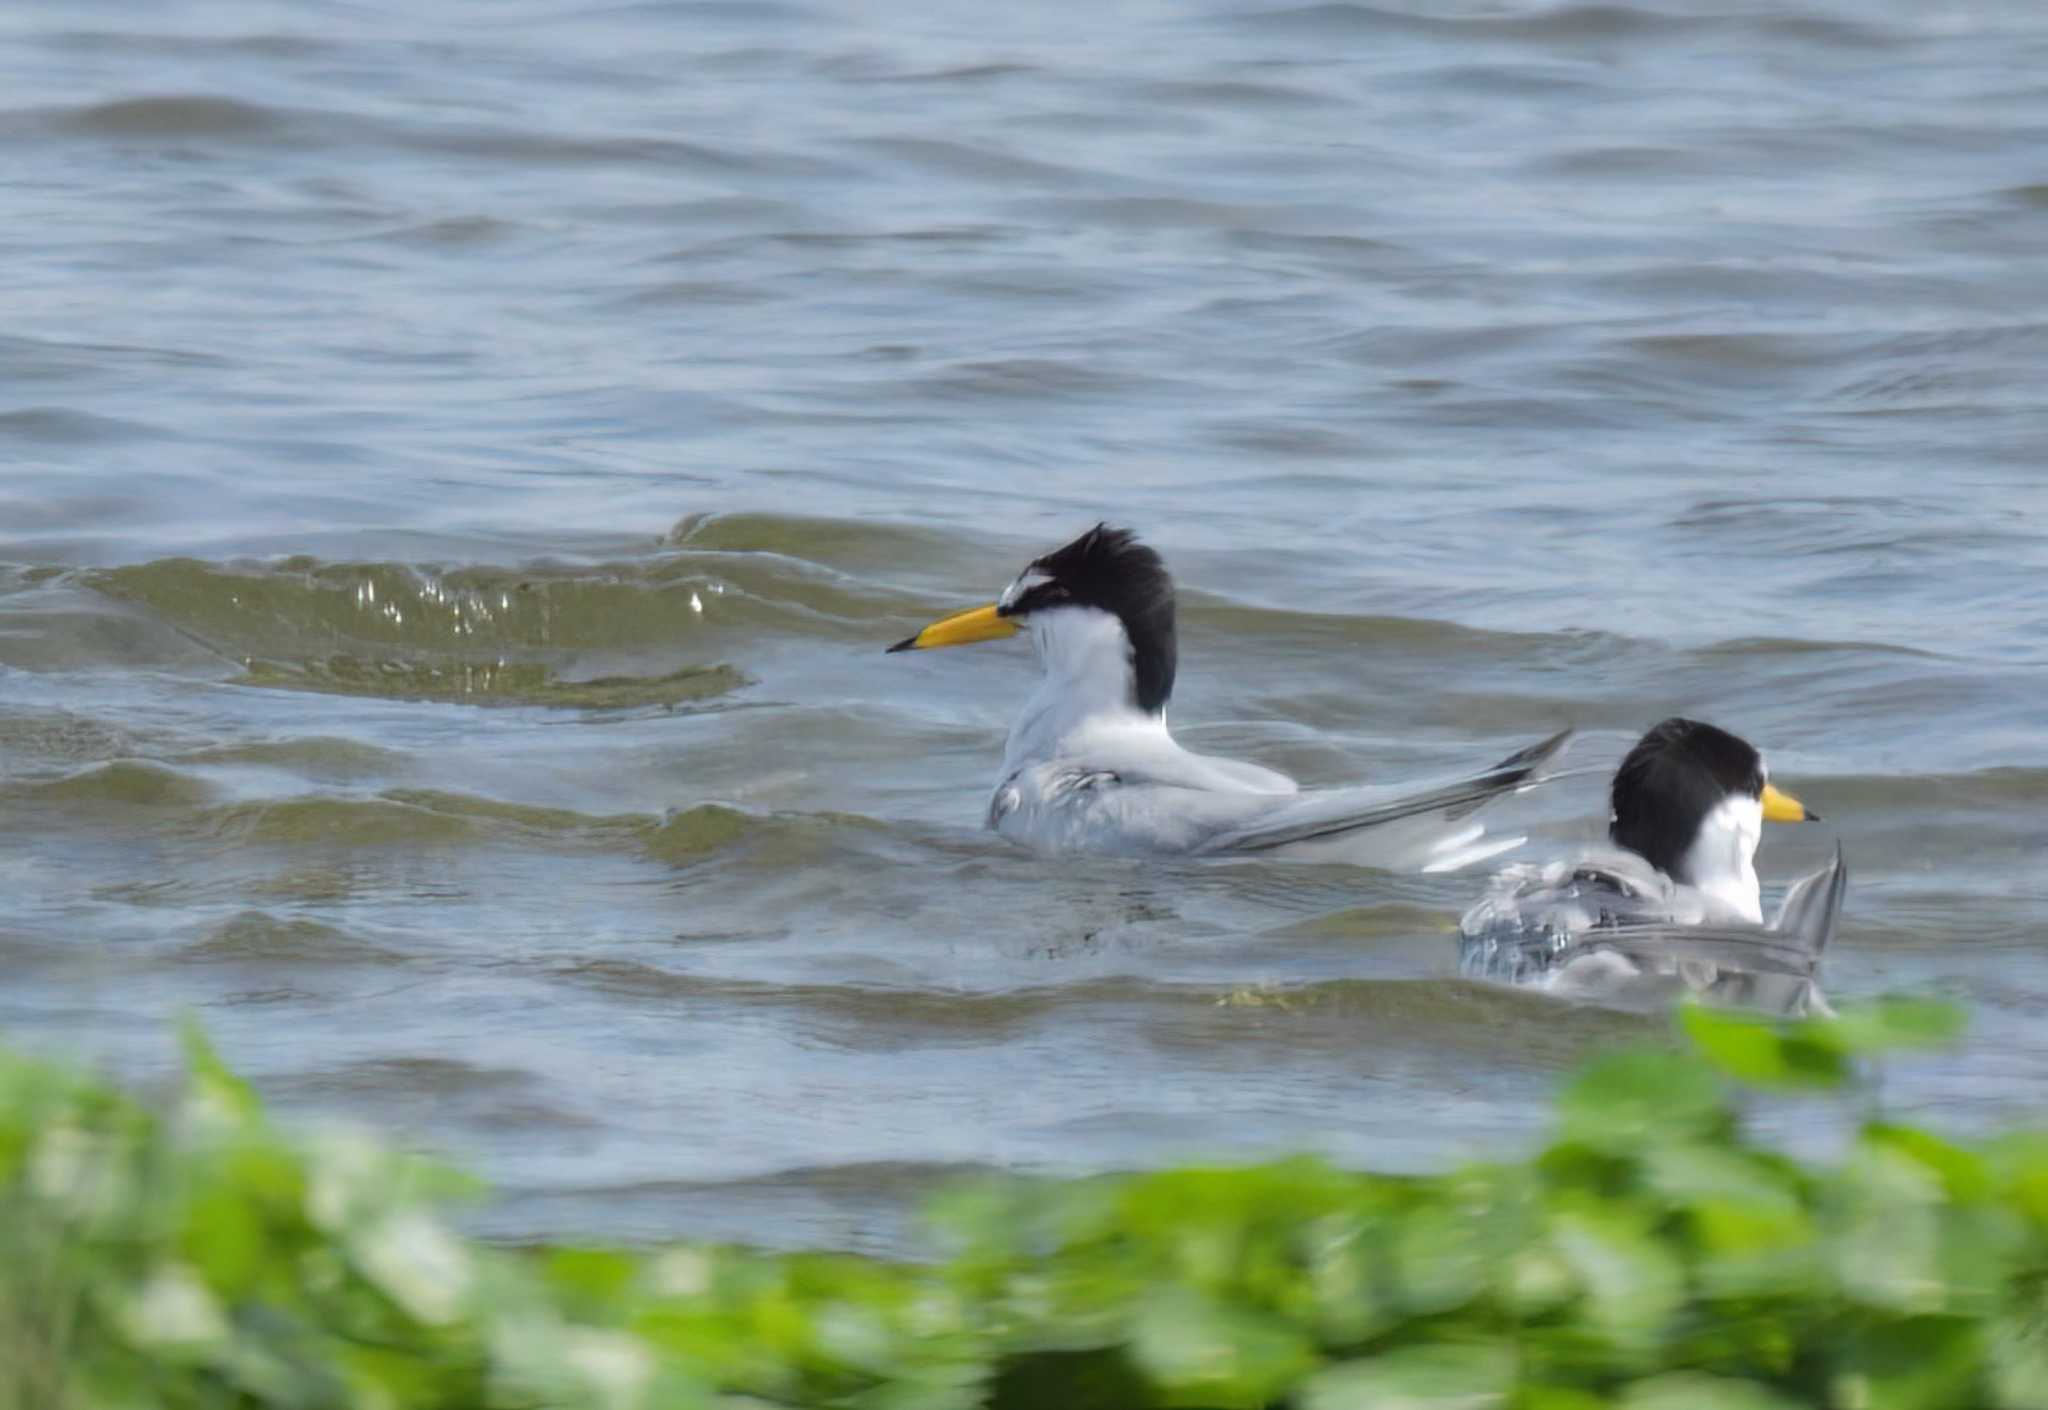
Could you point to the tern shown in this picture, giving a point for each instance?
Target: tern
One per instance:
(1674, 904)
(1090, 766)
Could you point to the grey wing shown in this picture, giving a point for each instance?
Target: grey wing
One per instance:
(1791, 944)
(1747, 967)
(1116, 812)
(1388, 826)
(1735, 947)
(1535, 918)
(1597, 933)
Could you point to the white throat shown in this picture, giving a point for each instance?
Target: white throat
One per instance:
(1722, 859)
(1089, 682)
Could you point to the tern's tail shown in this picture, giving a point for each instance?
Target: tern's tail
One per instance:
(1813, 905)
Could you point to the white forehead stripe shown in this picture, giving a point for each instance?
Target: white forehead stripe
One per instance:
(1025, 581)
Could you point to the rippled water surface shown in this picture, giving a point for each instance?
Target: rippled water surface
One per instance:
(459, 466)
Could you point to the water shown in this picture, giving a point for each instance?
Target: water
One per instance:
(459, 467)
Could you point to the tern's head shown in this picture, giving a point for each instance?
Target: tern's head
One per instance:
(1103, 601)
(1692, 801)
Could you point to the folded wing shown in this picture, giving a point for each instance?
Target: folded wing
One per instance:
(1596, 933)
(1390, 826)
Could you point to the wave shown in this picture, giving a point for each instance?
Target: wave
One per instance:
(1362, 1013)
(338, 822)
(60, 425)
(173, 115)
(1563, 24)
(416, 817)
(182, 119)
(121, 782)
(1994, 788)
(481, 635)
(256, 937)
(320, 757)
(491, 682)
(190, 800)
(682, 626)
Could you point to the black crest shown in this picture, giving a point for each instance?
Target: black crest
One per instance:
(1678, 773)
(1108, 568)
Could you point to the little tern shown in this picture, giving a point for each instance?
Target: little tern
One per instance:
(1091, 767)
(1675, 903)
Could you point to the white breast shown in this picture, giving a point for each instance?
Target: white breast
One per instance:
(1721, 862)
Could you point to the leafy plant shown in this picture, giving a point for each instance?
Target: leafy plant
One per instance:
(1651, 1257)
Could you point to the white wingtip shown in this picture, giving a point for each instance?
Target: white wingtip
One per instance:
(1465, 848)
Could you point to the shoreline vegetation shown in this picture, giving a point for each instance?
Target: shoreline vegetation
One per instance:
(1651, 1256)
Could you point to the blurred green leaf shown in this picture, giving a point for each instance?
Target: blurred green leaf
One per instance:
(1686, 1175)
(1346, 1300)
(1092, 1380)
(1900, 1241)
(1537, 1280)
(2017, 1166)
(590, 1281)
(224, 1238)
(1751, 1230)
(1539, 1397)
(1624, 1102)
(1634, 1284)
(1441, 1259)
(1888, 1025)
(1465, 1377)
(1200, 1352)
(1746, 1253)
(1921, 1363)
(569, 1366)
(1690, 1390)
(2017, 1352)
(215, 1092)
(1761, 1052)
(1964, 1174)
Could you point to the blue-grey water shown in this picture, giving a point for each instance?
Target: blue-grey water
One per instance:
(459, 466)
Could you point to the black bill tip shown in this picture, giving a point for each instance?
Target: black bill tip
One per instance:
(907, 644)
(1811, 815)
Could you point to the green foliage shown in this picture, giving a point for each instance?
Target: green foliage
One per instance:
(1650, 1258)
(1767, 1054)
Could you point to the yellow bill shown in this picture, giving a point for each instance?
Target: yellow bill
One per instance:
(1783, 807)
(960, 629)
